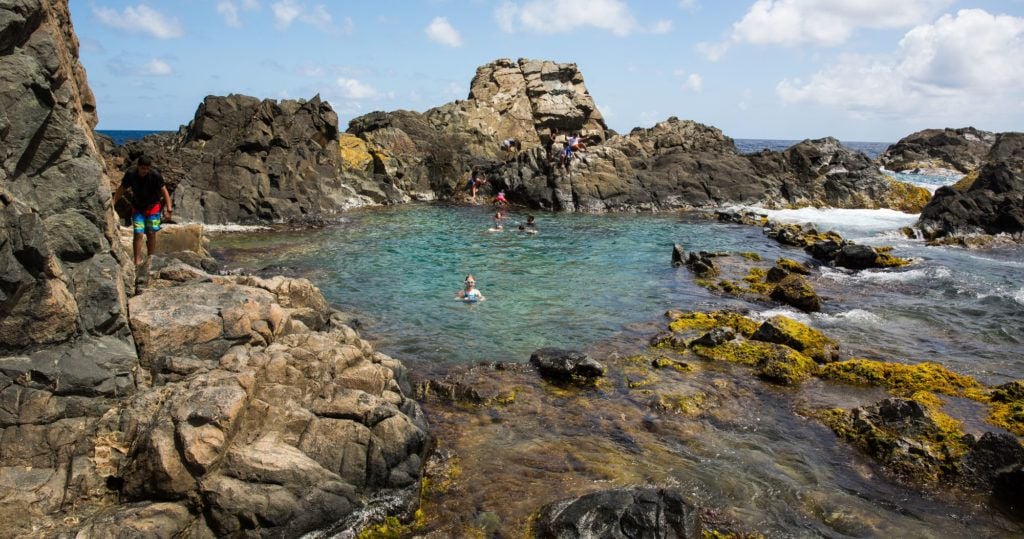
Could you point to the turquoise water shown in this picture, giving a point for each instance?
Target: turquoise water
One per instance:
(586, 278)
(580, 279)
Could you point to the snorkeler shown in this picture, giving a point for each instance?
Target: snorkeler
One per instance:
(470, 294)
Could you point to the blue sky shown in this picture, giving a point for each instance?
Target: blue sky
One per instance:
(870, 70)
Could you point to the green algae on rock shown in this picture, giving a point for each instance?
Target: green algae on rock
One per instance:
(800, 337)
(905, 380)
(1007, 407)
(794, 290)
(703, 321)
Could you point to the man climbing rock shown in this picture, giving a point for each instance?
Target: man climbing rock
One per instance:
(147, 191)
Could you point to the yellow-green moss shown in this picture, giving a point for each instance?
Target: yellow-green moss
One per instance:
(805, 339)
(886, 260)
(751, 256)
(904, 380)
(792, 266)
(745, 352)
(1007, 415)
(729, 287)
(907, 197)
(706, 283)
(967, 181)
(790, 368)
(667, 363)
(756, 281)
(637, 383)
(701, 321)
(391, 528)
(689, 405)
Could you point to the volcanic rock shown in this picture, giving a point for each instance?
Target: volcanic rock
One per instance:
(963, 150)
(993, 204)
(558, 364)
(621, 514)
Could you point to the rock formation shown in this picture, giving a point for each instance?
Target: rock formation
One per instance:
(242, 159)
(993, 204)
(221, 405)
(939, 150)
(245, 160)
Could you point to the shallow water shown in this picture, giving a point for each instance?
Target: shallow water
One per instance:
(585, 277)
(752, 454)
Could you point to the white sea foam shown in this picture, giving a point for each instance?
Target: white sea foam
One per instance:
(234, 228)
(1019, 296)
(883, 276)
(856, 317)
(842, 220)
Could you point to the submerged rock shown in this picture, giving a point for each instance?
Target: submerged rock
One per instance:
(621, 514)
(566, 365)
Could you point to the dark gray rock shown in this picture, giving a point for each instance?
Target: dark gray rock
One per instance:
(990, 456)
(715, 337)
(993, 204)
(678, 255)
(559, 364)
(621, 514)
(962, 150)
(856, 257)
(1008, 489)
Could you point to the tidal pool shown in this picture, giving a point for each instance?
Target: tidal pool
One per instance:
(751, 453)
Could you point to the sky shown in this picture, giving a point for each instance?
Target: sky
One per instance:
(860, 70)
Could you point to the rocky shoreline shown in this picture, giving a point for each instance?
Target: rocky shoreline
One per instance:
(171, 401)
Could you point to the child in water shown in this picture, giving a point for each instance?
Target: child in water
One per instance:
(500, 199)
(470, 294)
(498, 217)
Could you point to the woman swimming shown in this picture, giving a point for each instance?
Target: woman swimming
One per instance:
(470, 294)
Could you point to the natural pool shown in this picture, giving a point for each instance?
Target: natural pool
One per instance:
(584, 278)
(750, 451)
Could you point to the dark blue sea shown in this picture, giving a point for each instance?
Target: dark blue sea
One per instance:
(120, 136)
(745, 145)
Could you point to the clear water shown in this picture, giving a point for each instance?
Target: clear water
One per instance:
(600, 283)
(584, 278)
(124, 136)
(750, 145)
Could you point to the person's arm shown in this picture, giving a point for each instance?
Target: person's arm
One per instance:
(168, 210)
(118, 193)
(461, 294)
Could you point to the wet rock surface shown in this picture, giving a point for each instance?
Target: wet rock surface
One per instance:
(566, 365)
(993, 204)
(621, 513)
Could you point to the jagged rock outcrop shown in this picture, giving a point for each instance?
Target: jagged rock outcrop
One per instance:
(253, 409)
(242, 160)
(993, 204)
(936, 150)
(66, 352)
(228, 161)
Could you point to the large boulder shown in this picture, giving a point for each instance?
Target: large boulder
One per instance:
(993, 204)
(936, 150)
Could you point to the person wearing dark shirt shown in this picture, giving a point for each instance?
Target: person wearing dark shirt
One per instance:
(149, 198)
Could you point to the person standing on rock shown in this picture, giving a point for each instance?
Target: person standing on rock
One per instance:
(147, 192)
(512, 148)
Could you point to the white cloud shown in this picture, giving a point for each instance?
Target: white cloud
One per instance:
(694, 83)
(355, 89)
(140, 19)
(713, 51)
(551, 18)
(229, 11)
(819, 22)
(348, 26)
(661, 27)
(957, 70)
(127, 66)
(691, 5)
(157, 68)
(287, 12)
(827, 22)
(454, 90)
(441, 31)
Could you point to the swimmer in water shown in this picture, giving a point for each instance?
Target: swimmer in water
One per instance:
(470, 294)
(498, 218)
